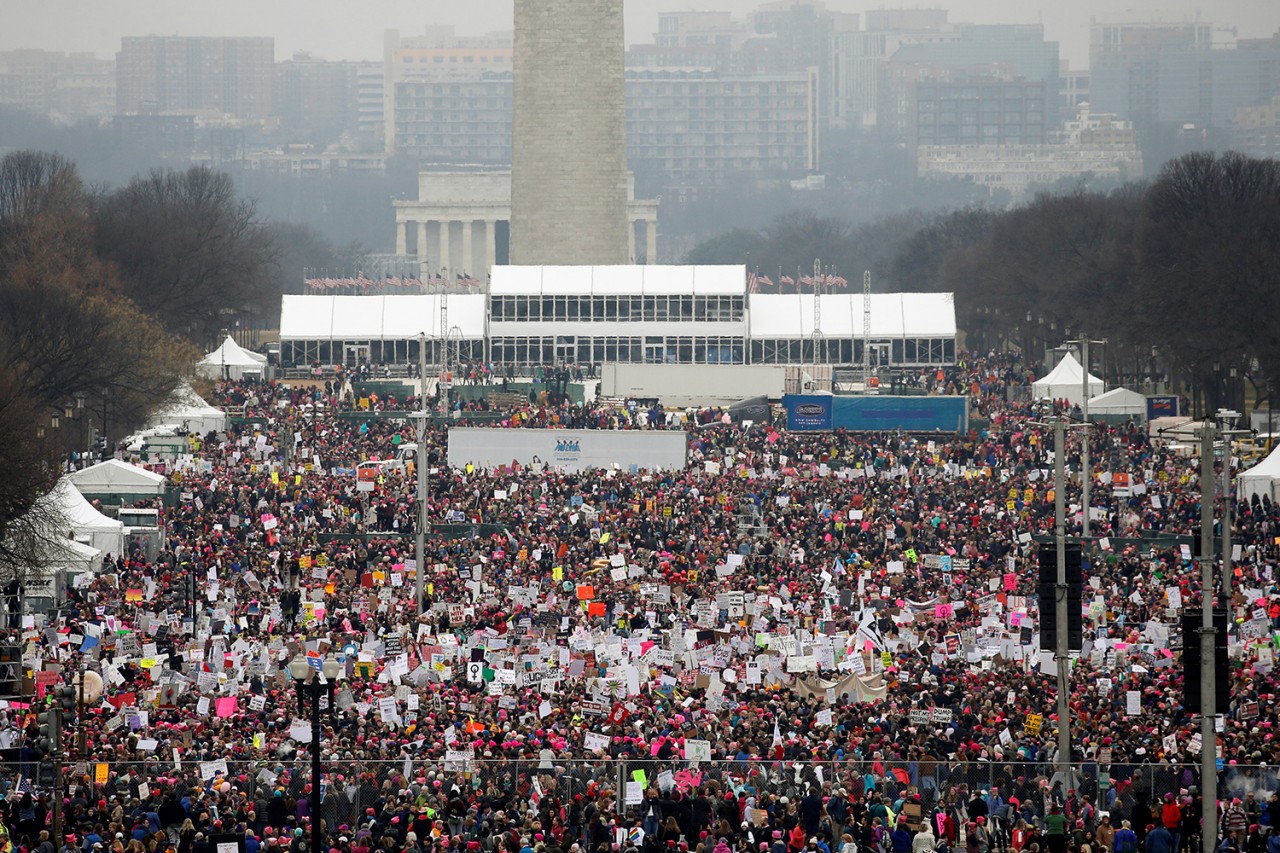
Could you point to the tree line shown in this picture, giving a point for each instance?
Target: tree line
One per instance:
(1177, 274)
(107, 298)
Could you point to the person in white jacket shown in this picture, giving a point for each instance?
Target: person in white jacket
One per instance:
(924, 842)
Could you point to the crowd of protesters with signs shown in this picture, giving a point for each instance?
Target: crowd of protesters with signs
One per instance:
(800, 642)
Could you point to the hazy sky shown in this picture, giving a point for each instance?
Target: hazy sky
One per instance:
(352, 29)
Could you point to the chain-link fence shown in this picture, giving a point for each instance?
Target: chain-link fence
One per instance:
(349, 787)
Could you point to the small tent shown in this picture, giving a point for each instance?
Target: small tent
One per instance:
(1262, 480)
(1120, 403)
(1065, 382)
(76, 518)
(187, 409)
(114, 477)
(232, 361)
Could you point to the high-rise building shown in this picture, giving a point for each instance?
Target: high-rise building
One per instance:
(422, 72)
(701, 126)
(568, 134)
(63, 86)
(224, 77)
(1257, 130)
(319, 101)
(979, 110)
(1014, 53)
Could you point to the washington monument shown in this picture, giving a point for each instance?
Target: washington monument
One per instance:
(568, 135)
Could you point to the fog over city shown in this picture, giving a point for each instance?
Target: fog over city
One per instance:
(343, 29)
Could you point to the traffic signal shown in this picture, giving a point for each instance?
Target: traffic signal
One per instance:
(68, 704)
(48, 737)
(1191, 622)
(1048, 589)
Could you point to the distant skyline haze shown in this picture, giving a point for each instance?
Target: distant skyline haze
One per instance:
(345, 29)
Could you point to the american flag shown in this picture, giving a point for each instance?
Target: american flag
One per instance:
(23, 787)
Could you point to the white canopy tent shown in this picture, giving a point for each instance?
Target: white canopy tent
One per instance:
(1066, 382)
(186, 408)
(232, 361)
(75, 518)
(69, 556)
(1262, 480)
(117, 478)
(1119, 401)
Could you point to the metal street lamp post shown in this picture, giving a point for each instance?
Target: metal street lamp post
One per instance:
(312, 686)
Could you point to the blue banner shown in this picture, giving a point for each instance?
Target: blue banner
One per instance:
(808, 413)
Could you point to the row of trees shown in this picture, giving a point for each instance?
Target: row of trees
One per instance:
(107, 297)
(1178, 274)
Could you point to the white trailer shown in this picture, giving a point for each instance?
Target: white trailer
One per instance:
(693, 384)
(568, 449)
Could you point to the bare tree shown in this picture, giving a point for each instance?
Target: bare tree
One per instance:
(188, 250)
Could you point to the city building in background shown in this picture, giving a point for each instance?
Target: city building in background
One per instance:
(323, 102)
(696, 126)
(1016, 56)
(1257, 130)
(1100, 147)
(1168, 75)
(66, 87)
(203, 76)
(428, 81)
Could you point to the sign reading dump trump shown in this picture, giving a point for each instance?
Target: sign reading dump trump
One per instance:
(568, 449)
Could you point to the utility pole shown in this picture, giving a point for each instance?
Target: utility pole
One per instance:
(421, 527)
(1085, 474)
(1208, 735)
(56, 720)
(1061, 653)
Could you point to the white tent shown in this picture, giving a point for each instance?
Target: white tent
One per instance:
(66, 555)
(1119, 401)
(1262, 479)
(1065, 382)
(186, 408)
(117, 478)
(77, 519)
(232, 361)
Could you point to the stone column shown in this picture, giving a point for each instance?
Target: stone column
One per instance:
(651, 240)
(490, 246)
(443, 262)
(422, 240)
(631, 241)
(402, 238)
(468, 259)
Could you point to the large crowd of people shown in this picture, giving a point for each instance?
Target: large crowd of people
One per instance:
(799, 642)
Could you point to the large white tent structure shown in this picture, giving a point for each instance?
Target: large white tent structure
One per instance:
(1066, 382)
(1262, 480)
(1119, 402)
(71, 516)
(232, 361)
(615, 314)
(115, 477)
(186, 408)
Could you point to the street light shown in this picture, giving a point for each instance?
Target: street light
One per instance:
(310, 690)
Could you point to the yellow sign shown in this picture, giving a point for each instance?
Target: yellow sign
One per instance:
(1032, 725)
(101, 773)
(557, 573)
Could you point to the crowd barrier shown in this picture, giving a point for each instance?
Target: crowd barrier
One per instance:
(351, 785)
